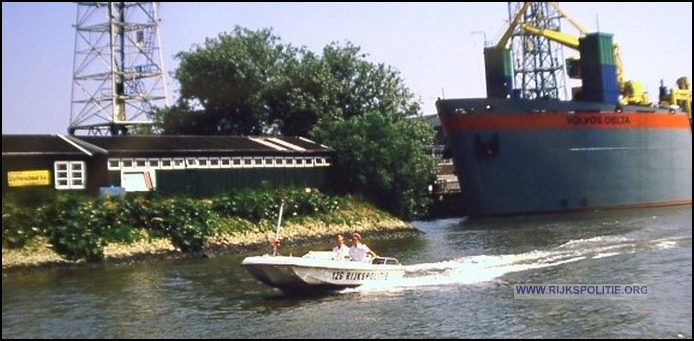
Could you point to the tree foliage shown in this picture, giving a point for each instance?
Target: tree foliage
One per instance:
(225, 82)
(248, 82)
(382, 158)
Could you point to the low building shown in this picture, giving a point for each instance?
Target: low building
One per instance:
(46, 162)
(190, 165)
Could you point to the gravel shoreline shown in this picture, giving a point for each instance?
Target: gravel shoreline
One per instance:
(39, 256)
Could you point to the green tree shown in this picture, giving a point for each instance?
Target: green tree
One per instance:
(380, 149)
(300, 98)
(249, 83)
(223, 84)
(382, 157)
(339, 85)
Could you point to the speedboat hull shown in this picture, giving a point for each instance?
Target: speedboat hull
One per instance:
(317, 272)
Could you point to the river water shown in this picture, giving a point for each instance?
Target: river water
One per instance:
(460, 282)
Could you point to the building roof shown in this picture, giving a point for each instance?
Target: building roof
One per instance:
(42, 145)
(92, 145)
(159, 144)
(432, 119)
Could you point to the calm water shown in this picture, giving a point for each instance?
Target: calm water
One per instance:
(460, 285)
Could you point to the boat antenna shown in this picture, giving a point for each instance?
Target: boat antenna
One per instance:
(277, 233)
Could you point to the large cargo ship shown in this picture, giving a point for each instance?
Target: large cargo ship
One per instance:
(606, 148)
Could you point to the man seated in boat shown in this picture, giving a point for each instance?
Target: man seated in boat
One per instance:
(359, 251)
(340, 250)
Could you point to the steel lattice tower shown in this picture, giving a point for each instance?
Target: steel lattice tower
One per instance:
(537, 61)
(118, 72)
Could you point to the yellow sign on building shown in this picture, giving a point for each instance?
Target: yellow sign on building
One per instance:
(29, 178)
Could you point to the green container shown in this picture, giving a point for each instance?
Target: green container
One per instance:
(497, 63)
(596, 49)
(498, 71)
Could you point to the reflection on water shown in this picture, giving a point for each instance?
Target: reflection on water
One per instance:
(459, 280)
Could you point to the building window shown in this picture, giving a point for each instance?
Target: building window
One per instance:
(236, 162)
(179, 163)
(166, 163)
(214, 162)
(113, 164)
(70, 175)
(279, 162)
(203, 162)
(153, 163)
(140, 163)
(61, 175)
(191, 162)
(308, 162)
(225, 162)
(127, 163)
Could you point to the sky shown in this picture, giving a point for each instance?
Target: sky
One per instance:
(436, 47)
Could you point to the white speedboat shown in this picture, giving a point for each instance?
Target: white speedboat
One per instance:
(317, 271)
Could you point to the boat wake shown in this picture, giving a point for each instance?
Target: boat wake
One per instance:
(485, 268)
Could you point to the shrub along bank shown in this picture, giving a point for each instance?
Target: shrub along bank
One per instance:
(68, 228)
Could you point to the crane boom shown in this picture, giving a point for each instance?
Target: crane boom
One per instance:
(631, 91)
(501, 44)
(566, 15)
(561, 38)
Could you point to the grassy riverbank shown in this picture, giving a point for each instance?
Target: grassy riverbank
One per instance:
(228, 238)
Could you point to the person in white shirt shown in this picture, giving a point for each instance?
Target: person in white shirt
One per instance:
(358, 251)
(340, 250)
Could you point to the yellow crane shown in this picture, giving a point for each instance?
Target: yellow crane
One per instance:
(682, 96)
(631, 91)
